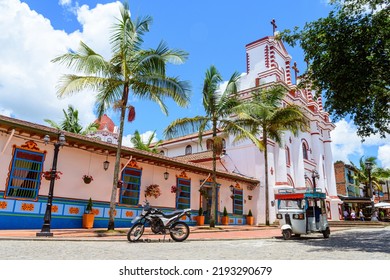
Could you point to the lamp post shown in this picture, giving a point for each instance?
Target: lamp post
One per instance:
(45, 231)
(314, 175)
(369, 168)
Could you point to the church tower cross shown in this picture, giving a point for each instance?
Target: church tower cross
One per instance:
(274, 26)
(296, 71)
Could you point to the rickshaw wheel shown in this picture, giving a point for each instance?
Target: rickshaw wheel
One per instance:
(326, 233)
(287, 234)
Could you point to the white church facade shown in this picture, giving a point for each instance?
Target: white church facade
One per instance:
(290, 165)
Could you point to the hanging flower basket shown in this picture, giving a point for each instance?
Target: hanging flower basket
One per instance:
(119, 184)
(175, 189)
(87, 179)
(47, 175)
(153, 190)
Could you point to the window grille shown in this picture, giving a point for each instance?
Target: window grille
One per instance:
(130, 189)
(238, 199)
(25, 176)
(183, 196)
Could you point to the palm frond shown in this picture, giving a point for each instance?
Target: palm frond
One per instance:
(186, 126)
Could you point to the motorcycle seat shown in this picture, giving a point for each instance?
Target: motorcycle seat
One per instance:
(172, 214)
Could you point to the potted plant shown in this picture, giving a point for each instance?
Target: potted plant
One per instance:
(88, 216)
(200, 219)
(225, 217)
(87, 179)
(249, 218)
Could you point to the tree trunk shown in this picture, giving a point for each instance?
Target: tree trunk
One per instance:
(266, 177)
(111, 223)
(214, 178)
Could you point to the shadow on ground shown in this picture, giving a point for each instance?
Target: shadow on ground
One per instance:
(373, 241)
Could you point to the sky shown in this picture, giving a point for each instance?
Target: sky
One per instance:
(33, 32)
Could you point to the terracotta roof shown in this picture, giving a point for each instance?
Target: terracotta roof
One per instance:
(37, 132)
(197, 157)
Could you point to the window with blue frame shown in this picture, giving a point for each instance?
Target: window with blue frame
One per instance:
(238, 201)
(25, 175)
(183, 196)
(130, 189)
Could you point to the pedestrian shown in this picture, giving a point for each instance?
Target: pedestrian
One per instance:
(346, 214)
(361, 215)
(382, 215)
(353, 215)
(375, 216)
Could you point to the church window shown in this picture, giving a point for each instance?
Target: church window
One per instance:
(130, 189)
(25, 175)
(188, 150)
(288, 159)
(304, 150)
(209, 144)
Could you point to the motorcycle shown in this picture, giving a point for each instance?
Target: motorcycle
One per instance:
(160, 223)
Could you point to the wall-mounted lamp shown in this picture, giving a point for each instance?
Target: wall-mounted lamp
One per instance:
(166, 175)
(106, 163)
(231, 187)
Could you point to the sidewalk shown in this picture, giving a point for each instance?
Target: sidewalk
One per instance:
(196, 234)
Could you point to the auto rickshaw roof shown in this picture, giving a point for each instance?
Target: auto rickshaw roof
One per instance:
(286, 194)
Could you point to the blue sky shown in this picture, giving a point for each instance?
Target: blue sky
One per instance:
(212, 32)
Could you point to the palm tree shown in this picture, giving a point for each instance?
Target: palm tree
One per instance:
(263, 115)
(140, 144)
(218, 107)
(361, 174)
(131, 70)
(71, 123)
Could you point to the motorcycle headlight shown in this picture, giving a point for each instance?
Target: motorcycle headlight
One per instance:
(279, 216)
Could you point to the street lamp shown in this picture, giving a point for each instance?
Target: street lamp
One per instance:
(369, 168)
(314, 175)
(45, 231)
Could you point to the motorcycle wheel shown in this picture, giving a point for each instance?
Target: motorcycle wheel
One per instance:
(135, 232)
(179, 231)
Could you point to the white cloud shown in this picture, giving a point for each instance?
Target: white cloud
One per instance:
(384, 155)
(346, 144)
(144, 136)
(345, 141)
(28, 42)
(65, 2)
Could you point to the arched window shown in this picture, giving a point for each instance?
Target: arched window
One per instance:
(305, 148)
(162, 152)
(288, 158)
(209, 144)
(188, 150)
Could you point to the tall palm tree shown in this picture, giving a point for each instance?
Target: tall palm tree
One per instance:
(140, 144)
(71, 122)
(131, 70)
(263, 115)
(361, 174)
(218, 107)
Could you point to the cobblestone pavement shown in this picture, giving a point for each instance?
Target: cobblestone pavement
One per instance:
(346, 244)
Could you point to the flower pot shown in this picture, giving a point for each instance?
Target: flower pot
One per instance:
(250, 220)
(88, 220)
(225, 220)
(200, 220)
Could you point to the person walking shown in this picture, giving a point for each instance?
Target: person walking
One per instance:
(361, 215)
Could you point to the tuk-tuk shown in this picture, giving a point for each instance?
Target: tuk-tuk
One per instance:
(302, 212)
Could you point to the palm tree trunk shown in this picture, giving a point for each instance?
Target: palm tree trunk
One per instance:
(266, 177)
(214, 178)
(111, 223)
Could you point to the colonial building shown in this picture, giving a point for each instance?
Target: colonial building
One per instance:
(26, 159)
(291, 164)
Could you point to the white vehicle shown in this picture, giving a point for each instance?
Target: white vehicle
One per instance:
(302, 213)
